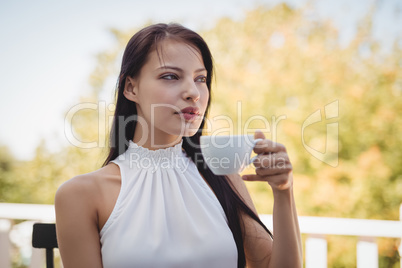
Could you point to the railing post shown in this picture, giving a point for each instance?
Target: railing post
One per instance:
(37, 258)
(5, 227)
(367, 253)
(316, 251)
(400, 243)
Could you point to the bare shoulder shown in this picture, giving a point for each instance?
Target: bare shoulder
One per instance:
(82, 204)
(77, 186)
(90, 195)
(89, 185)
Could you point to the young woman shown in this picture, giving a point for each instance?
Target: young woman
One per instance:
(155, 203)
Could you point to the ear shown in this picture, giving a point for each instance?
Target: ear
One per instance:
(131, 89)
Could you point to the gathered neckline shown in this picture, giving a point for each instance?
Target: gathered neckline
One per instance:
(163, 152)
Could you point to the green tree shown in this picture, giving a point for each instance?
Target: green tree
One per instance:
(7, 178)
(277, 62)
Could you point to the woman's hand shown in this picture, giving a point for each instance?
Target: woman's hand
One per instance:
(272, 164)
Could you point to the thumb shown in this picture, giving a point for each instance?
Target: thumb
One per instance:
(259, 135)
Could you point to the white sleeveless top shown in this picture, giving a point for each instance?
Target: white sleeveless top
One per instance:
(165, 215)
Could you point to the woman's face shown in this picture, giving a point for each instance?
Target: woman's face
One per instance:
(170, 93)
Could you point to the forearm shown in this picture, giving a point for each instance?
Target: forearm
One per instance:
(287, 249)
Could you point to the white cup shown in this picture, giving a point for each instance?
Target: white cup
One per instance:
(227, 154)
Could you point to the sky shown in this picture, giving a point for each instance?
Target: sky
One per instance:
(48, 49)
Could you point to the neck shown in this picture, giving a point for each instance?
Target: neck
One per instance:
(154, 140)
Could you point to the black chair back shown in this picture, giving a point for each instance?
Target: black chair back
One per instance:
(44, 236)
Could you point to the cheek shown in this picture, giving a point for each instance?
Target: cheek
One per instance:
(166, 96)
(204, 99)
(162, 113)
(161, 102)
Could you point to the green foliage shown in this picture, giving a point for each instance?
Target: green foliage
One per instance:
(7, 177)
(277, 62)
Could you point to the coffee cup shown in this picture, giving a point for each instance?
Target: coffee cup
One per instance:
(227, 154)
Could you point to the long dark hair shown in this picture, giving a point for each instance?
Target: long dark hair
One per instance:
(124, 122)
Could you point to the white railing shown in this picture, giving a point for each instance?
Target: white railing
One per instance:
(315, 227)
(21, 234)
(366, 230)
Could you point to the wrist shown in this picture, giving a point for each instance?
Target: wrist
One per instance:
(282, 189)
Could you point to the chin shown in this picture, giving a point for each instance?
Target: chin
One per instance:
(192, 129)
(187, 129)
(189, 134)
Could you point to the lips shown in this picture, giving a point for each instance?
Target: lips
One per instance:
(189, 113)
(190, 110)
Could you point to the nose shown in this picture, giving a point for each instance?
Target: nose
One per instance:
(191, 91)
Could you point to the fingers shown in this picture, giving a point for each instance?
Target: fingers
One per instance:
(251, 177)
(259, 135)
(269, 165)
(271, 160)
(265, 145)
(263, 172)
(272, 163)
(278, 182)
(268, 146)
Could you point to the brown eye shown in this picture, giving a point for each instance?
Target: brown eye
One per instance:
(169, 77)
(201, 79)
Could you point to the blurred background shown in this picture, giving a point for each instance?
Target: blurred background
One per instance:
(281, 60)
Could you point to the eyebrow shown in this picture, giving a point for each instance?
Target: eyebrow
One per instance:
(179, 69)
